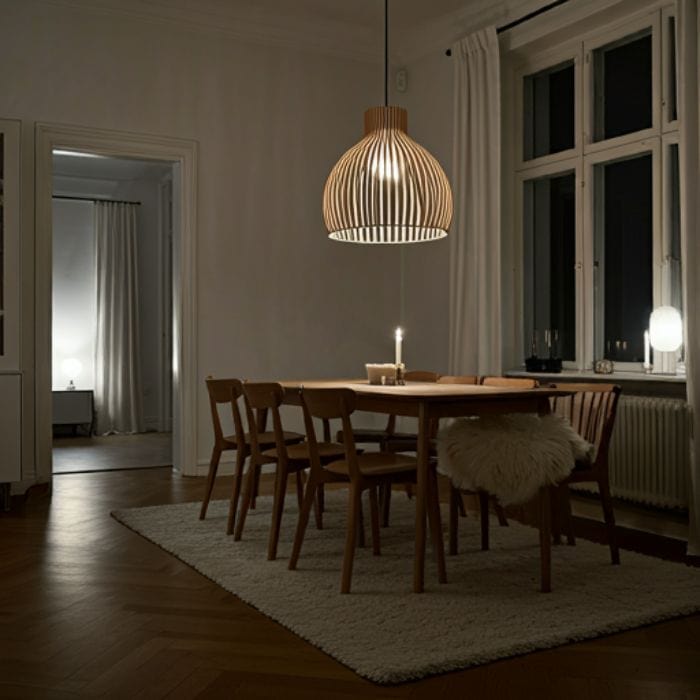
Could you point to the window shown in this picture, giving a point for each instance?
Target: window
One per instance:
(549, 111)
(550, 251)
(622, 86)
(596, 198)
(623, 284)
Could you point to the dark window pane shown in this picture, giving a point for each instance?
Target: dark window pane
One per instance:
(2, 246)
(623, 86)
(550, 250)
(672, 105)
(674, 254)
(623, 257)
(549, 111)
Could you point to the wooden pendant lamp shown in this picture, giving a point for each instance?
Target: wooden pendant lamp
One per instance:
(387, 188)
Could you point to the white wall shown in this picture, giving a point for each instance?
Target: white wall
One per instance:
(427, 273)
(275, 297)
(74, 293)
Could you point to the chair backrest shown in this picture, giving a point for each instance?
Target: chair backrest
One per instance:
(510, 382)
(458, 379)
(225, 391)
(420, 375)
(263, 397)
(591, 410)
(329, 404)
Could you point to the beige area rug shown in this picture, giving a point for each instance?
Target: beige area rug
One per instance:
(490, 608)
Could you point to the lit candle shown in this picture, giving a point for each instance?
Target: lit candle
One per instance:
(647, 360)
(398, 335)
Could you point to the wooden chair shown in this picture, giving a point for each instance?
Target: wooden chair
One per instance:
(361, 472)
(458, 379)
(289, 458)
(456, 500)
(227, 392)
(591, 409)
(381, 436)
(510, 382)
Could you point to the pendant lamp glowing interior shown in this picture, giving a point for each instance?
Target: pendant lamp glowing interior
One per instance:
(387, 188)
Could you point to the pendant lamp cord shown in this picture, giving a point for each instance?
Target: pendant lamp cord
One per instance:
(386, 53)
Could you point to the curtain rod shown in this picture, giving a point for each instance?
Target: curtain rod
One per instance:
(523, 19)
(94, 199)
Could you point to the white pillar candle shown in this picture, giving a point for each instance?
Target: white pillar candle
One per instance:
(647, 359)
(398, 336)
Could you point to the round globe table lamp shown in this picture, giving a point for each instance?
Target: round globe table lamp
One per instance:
(666, 337)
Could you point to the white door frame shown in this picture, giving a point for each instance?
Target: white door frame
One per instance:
(122, 144)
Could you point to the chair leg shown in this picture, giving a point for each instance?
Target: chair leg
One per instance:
(460, 505)
(235, 495)
(319, 503)
(310, 497)
(300, 488)
(361, 526)
(385, 502)
(374, 520)
(435, 523)
(256, 490)
(484, 510)
(545, 540)
(247, 499)
(501, 513)
(568, 517)
(555, 506)
(354, 505)
(277, 509)
(409, 490)
(609, 515)
(213, 467)
(455, 499)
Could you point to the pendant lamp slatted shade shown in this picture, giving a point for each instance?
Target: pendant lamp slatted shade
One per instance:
(387, 188)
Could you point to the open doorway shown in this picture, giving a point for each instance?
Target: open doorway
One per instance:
(112, 312)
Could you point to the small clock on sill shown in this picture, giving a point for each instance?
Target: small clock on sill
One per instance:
(603, 366)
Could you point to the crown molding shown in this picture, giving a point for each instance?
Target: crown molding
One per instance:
(440, 33)
(284, 27)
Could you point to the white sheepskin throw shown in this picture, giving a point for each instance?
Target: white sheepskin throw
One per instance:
(510, 456)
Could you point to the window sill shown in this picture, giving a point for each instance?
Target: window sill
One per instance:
(631, 382)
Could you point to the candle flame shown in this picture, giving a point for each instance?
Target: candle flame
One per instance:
(398, 334)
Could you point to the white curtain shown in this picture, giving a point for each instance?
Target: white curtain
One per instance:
(689, 104)
(117, 375)
(475, 241)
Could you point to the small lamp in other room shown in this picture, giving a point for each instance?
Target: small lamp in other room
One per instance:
(666, 337)
(71, 369)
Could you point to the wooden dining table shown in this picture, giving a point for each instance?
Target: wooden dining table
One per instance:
(426, 402)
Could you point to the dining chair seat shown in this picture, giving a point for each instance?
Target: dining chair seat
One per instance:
(376, 464)
(300, 451)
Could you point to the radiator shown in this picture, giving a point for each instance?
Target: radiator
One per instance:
(649, 458)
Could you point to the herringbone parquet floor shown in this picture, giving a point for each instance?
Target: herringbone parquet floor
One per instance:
(90, 609)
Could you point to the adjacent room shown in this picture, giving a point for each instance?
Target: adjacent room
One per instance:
(350, 349)
(111, 313)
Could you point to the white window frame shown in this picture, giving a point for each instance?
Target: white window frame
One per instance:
(583, 158)
(568, 52)
(650, 20)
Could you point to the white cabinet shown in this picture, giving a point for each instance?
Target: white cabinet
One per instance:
(9, 244)
(10, 428)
